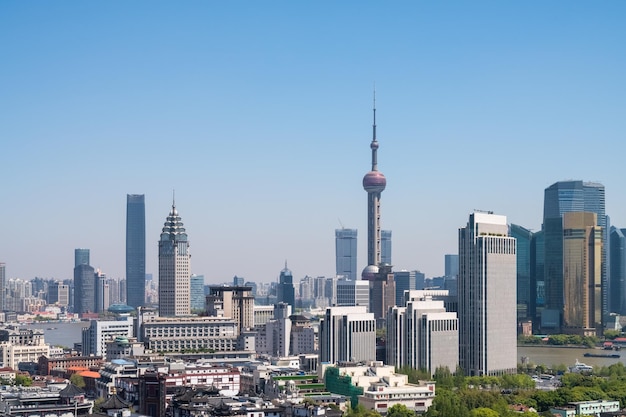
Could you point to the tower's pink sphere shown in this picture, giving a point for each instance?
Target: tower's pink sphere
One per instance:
(374, 182)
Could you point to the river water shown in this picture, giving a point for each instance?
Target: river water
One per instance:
(61, 334)
(552, 356)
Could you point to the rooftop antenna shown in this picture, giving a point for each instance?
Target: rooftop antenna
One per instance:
(341, 224)
(173, 197)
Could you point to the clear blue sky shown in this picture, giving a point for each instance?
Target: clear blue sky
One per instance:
(259, 115)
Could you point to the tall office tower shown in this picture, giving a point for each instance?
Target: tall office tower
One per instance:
(285, 292)
(405, 281)
(174, 268)
(385, 247)
(84, 289)
(374, 183)
(352, 293)
(526, 285)
(197, 298)
(451, 265)
(347, 334)
(135, 250)
(345, 252)
(3, 284)
(487, 306)
(81, 257)
(618, 270)
(238, 281)
(582, 285)
(422, 334)
(236, 303)
(559, 198)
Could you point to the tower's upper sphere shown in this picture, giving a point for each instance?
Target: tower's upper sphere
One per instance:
(369, 273)
(374, 144)
(374, 182)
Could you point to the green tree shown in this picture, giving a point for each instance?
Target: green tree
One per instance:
(78, 380)
(23, 380)
(400, 410)
(484, 412)
(611, 334)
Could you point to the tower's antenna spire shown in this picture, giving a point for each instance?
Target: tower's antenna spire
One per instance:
(374, 125)
(173, 197)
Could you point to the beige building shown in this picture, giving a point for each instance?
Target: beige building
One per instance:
(236, 302)
(582, 273)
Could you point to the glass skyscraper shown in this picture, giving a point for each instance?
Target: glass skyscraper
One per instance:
(526, 287)
(81, 257)
(618, 270)
(285, 290)
(135, 250)
(564, 197)
(345, 252)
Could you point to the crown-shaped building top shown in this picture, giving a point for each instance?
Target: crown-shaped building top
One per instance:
(173, 228)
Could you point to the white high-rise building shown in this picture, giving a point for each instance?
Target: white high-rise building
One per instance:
(487, 296)
(174, 268)
(347, 334)
(422, 334)
(99, 332)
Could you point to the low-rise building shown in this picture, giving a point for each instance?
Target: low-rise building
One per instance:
(586, 408)
(377, 387)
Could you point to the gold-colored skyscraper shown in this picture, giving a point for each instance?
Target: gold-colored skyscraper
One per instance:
(582, 273)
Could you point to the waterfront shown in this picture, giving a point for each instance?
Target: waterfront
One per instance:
(61, 334)
(553, 356)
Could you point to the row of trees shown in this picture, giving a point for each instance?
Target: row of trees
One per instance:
(560, 340)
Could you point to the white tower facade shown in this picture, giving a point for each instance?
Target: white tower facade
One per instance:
(422, 334)
(487, 296)
(174, 268)
(347, 334)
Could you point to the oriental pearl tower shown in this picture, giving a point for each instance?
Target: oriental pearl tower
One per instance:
(374, 183)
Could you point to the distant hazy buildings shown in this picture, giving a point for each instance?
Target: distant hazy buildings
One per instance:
(487, 303)
(174, 268)
(81, 257)
(135, 250)
(582, 284)
(405, 281)
(286, 292)
(451, 265)
(347, 334)
(345, 253)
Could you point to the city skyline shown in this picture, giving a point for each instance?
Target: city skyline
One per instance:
(267, 109)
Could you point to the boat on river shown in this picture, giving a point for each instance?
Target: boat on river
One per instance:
(602, 355)
(580, 367)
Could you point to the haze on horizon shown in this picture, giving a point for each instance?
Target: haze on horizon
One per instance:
(259, 115)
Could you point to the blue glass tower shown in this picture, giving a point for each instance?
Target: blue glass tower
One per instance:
(285, 291)
(385, 247)
(135, 250)
(526, 288)
(618, 270)
(345, 252)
